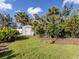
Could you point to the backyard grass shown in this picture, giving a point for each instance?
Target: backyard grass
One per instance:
(33, 48)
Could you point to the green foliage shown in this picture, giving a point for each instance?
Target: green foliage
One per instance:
(68, 28)
(54, 30)
(59, 24)
(40, 30)
(22, 17)
(53, 14)
(72, 25)
(6, 33)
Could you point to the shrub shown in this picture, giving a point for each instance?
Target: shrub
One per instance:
(54, 30)
(7, 33)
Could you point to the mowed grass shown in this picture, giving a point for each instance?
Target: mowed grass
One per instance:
(33, 48)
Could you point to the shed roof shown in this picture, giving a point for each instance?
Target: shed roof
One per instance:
(28, 26)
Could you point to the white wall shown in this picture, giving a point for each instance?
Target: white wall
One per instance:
(27, 30)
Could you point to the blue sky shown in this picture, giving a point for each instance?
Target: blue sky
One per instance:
(32, 6)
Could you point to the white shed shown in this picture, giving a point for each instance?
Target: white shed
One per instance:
(27, 30)
(20, 30)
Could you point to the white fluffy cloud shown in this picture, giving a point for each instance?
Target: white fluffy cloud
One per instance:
(32, 10)
(4, 5)
(70, 1)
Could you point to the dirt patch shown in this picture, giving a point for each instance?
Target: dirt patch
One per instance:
(72, 41)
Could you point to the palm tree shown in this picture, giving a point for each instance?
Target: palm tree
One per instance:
(53, 14)
(22, 18)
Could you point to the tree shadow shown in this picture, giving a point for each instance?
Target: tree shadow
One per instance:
(22, 37)
(18, 38)
(7, 55)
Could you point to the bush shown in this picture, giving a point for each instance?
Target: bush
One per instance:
(7, 33)
(54, 30)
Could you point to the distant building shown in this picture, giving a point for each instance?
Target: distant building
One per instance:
(27, 30)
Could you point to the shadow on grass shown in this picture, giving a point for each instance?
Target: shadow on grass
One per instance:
(22, 37)
(19, 38)
(7, 55)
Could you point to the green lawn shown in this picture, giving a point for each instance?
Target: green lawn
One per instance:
(33, 48)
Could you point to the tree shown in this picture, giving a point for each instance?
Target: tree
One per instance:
(53, 14)
(22, 18)
(54, 30)
(40, 30)
(5, 20)
(72, 25)
(67, 10)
